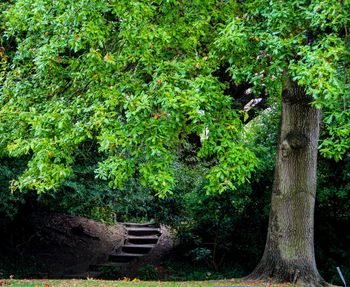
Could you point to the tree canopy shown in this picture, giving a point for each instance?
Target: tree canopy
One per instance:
(305, 41)
(134, 76)
(138, 76)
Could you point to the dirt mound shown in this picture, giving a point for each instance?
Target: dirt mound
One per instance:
(66, 244)
(53, 245)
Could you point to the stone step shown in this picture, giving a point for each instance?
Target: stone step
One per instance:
(124, 257)
(138, 231)
(129, 224)
(141, 238)
(151, 239)
(137, 248)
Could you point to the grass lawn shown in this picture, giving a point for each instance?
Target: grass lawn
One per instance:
(101, 283)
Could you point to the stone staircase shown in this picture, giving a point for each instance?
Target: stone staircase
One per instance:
(140, 239)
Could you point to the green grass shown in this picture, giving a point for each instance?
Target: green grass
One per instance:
(101, 283)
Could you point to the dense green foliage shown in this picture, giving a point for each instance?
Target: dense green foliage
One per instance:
(269, 43)
(136, 76)
(97, 99)
(9, 202)
(332, 217)
(133, 76)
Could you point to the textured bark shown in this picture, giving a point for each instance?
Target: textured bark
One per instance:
(289, 251)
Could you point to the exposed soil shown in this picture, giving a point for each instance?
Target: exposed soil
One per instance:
(59, 245)
(62, 244)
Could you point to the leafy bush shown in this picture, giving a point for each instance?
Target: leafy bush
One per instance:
(332, 218)
(110, 272)
(19, 267)
(10, 202)
(148, 272)
(187, 271)
(201, 254)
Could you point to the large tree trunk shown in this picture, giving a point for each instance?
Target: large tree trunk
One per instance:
(289, 252)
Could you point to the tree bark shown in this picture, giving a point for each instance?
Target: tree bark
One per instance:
(289, 251)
